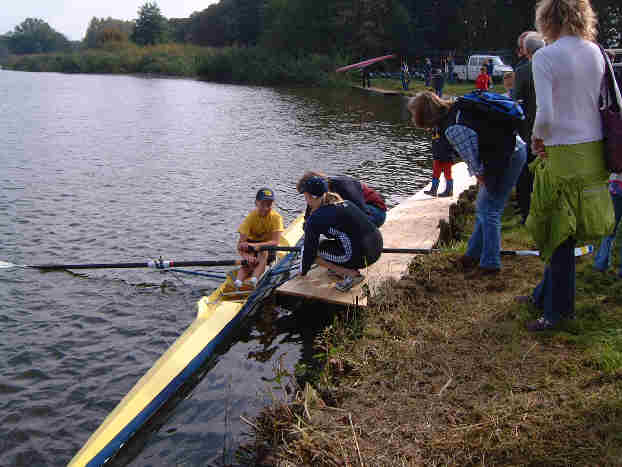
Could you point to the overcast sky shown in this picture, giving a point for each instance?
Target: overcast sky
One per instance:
(72, 17)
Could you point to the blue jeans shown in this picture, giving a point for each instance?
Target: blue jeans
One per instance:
(555, 294)
(485, 241)
(602, 260)
(376, 215)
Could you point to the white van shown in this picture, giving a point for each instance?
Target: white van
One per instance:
(475, 62)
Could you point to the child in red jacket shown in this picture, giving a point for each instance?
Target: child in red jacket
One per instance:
(483, 80)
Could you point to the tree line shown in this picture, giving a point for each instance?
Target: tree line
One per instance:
(301, 28)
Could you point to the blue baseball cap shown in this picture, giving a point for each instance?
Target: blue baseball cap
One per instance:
(265, 194)
(315, 186)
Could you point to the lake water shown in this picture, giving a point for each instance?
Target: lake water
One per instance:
(98, 168)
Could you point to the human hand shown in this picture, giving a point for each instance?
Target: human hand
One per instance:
(243, 246)
(538, 147)
(480, 180)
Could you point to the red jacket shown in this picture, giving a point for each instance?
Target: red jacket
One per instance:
(373, 197)
(482, 82)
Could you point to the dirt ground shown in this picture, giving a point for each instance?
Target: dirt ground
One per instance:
(439, 370)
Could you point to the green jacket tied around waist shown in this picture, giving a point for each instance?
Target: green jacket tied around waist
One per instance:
(570, 196)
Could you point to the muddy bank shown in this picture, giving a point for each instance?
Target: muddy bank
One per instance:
(439, 370)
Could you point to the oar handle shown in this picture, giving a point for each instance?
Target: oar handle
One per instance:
(579, 251)
(155, 264)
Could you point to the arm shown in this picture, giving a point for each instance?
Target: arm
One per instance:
(309, 249)
(543, 81)
(465, 143)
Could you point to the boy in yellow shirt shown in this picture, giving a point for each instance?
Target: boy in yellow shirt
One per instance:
(262, 227)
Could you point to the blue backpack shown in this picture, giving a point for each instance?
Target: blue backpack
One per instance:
(496, 107)
(496, 119)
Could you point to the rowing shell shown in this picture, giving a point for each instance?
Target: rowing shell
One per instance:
(217, 315)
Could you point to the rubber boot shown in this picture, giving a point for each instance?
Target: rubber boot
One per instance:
(432, 191)
(449, 190)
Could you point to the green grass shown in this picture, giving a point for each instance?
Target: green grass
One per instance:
(416, 86)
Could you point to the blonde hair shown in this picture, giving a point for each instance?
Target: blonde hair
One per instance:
(331, 198)
(575, 16)
(428, 109)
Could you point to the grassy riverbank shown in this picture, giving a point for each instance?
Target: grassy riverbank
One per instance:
(439, 370)
(252, 65)
(415, 86)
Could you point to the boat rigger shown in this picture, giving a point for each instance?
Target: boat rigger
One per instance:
(217, 316)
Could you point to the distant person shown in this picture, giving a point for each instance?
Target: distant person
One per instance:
(443, 156)
(262, 227)
(451, 65)
(363, 196)
(570, 200)
(602, 260)
(525, 94)
(490, 68)
(438, 82)
(365, 77)
(353, 242)
(427, 71)
(405, 75)
(494, 155)
(483, 81)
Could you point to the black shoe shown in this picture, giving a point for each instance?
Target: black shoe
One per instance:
(468, 262)
(540, 324)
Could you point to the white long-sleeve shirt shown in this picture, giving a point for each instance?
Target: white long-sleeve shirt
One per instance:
(568, 76)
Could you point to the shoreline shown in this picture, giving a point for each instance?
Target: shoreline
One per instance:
(440, 371)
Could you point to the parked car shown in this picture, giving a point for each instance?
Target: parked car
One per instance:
(473, 65)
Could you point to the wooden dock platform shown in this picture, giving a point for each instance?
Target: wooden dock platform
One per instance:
(411, 224)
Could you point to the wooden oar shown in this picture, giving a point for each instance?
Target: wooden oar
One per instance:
(579, 251)
(155, 264)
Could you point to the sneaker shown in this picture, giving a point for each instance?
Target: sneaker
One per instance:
(348, 282)
(468, 262)
(540, 324)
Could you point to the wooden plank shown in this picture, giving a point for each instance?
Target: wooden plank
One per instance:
(411, 224)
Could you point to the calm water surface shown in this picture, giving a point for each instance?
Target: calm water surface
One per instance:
(119, 168)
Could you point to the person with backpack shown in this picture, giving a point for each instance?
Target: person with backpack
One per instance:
(486, 138)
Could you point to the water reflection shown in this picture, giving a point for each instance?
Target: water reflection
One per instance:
(118, 168)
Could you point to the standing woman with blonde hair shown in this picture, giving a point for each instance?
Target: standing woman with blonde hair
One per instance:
(570, 201)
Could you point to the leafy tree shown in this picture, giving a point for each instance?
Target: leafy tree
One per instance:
(102, 31)
(34, 35)
(150, 27)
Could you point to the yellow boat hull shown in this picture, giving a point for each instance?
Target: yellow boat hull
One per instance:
(217, 315)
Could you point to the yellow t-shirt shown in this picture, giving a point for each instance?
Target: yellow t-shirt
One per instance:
(259, 229)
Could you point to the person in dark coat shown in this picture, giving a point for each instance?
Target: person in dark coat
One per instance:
(525, 94)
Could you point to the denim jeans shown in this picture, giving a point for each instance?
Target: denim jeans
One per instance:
(555, 293)
(485, 241)
(376, 215)
(602, 260)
